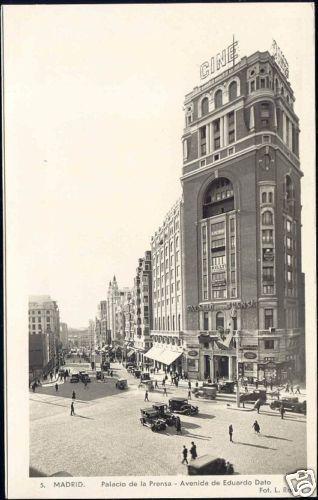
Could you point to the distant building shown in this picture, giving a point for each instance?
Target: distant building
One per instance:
(64, 335)
(44, 320)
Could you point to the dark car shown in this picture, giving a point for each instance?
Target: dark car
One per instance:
(252, 397)
(208, 465)
(74, 378)
(145, 376)
(182, 406)
(84, 377)
(149, 418)
(105, 365)
(137, 373)
(164, 413)
(290, 404)
(226, 387)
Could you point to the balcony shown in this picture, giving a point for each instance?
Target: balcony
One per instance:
(218, 283)
(219, 267)
(166, 333)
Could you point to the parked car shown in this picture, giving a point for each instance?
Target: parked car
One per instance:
(147, 384)
(145, 376)
(204, 392)
(182, 406)
(105, 365)
(74, 378)
(290, 404)
(99, 375)
(121, 383)
(252, 397)
(84, 377)
(208, 465)
(163, 412)
(149, 417)
(137, 373)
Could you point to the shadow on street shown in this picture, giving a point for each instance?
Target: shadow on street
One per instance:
(255, 445)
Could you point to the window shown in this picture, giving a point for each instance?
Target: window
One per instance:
(218, 277)
(252, 86)
(268, 289)
(172, 287)
(289, 260)
(232, 260)
(33, 320)
(219, 320)
(289, 243)
(262, 83)
(218, 261)
(178, 285)
(270, 197)
(268, 273)
(216, 157)
(205, 106)
(269, 319)
(266, 139)
(231, 136)
(264, 110)
(232, 91)
(233, 277)
(217, 143)
(232, 225)
(289, 276)
(217, 227)
(288, 226)
(216, 125)
(233, 292)
(218, 294)
(218, 243)
(264, 197)
(269, 344)
(267, 236)
(231, 118)
(205, 321)
(232, 241)
(231, 151)
(218, 99)
(267, 218)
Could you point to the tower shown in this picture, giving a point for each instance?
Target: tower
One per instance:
(242, 223)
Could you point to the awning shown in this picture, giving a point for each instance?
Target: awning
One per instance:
(165, 356)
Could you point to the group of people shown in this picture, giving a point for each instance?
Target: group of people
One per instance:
(193, 453)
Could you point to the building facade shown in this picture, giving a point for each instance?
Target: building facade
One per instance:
(64, 335)
(167, 292)
(243, 287)
(44, 320)
(142, 293)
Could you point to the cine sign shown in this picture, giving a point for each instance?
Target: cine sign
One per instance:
(219, 61)
(280, 59)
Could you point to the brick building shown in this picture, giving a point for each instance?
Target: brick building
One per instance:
(241, 223)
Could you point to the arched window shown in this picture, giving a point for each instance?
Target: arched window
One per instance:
(179, 322)
(264, 197)
(218, 98)
(270, 197)
(204, 106)
(232, 91)
(267, 218)
(219, 197)
(219, 320)
(276, 86)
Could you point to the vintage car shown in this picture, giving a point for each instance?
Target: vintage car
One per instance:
(164, 412)
(205, 392)
(74, 378)
(84, 377)
(145, 376)
(208, 465)
(105, 365)
(149, 417)
(147, 384)
(182, 406)
(290, 404)
(121, 383)
(137, 373)
(226, 387)
(252, 397)
(99, 375)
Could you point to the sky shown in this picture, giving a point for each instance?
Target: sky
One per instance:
(93, 103)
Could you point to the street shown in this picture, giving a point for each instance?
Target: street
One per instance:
(105, 436)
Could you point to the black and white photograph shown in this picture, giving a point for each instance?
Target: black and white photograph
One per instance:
(159, 242)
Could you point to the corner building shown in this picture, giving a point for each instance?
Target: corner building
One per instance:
(242, 225)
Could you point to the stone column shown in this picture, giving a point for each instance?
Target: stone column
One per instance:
(252, 119)
(290, 135)
(275, 117)
(284, 127)
(208, 145)
(211, 137)
(222, 131)
(226, 130)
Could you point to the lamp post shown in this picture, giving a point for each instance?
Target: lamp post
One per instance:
(237, 369)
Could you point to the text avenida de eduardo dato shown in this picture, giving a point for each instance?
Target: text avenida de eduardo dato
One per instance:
(185, 482)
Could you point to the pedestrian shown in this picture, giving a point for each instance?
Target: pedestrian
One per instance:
(231, 432)
(297, 389)
(111, 373)
(257, 405)
(156, 384)
(189, 384)
(163, 382)
(246, 389)
(287, 388)
(166, 377)
(178, 425)
(73, 395)
(193, 451)
(282, 411)
(185, 455)
(165, 392)
(85, 384)
(271, 385)
(146, 396)
(72, 409)
(177, 382)
(256, 427)
(265, 384)
(256, 384)
(33, 386)
(189, 394)
(56, 387)
(197, 384)
(292, 388)
(51, 376)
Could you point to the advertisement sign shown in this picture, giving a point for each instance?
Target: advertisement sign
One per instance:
(250, 355)
(193, 354)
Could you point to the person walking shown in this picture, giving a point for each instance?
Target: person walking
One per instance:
(189, 394)
(193, 451)
(287, 388)
(56, 387)
(282, 411)
(265, 384)
(256, 427)
(146, 396)
(156, 384)
(256, 384)
(72, 409)
(292, 388)
(163, 383)
(165, 391)
(51, 376)
(189, 384)
(73, 395)
(85, 384)
(231, 432)
(257, 405)
(185, 455)
(297, 391)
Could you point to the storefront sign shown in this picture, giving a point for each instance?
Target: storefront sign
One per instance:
(193, 353)
(219, 61)
(247, 347)
(228, 305)
(250, 355)
(280, 59)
